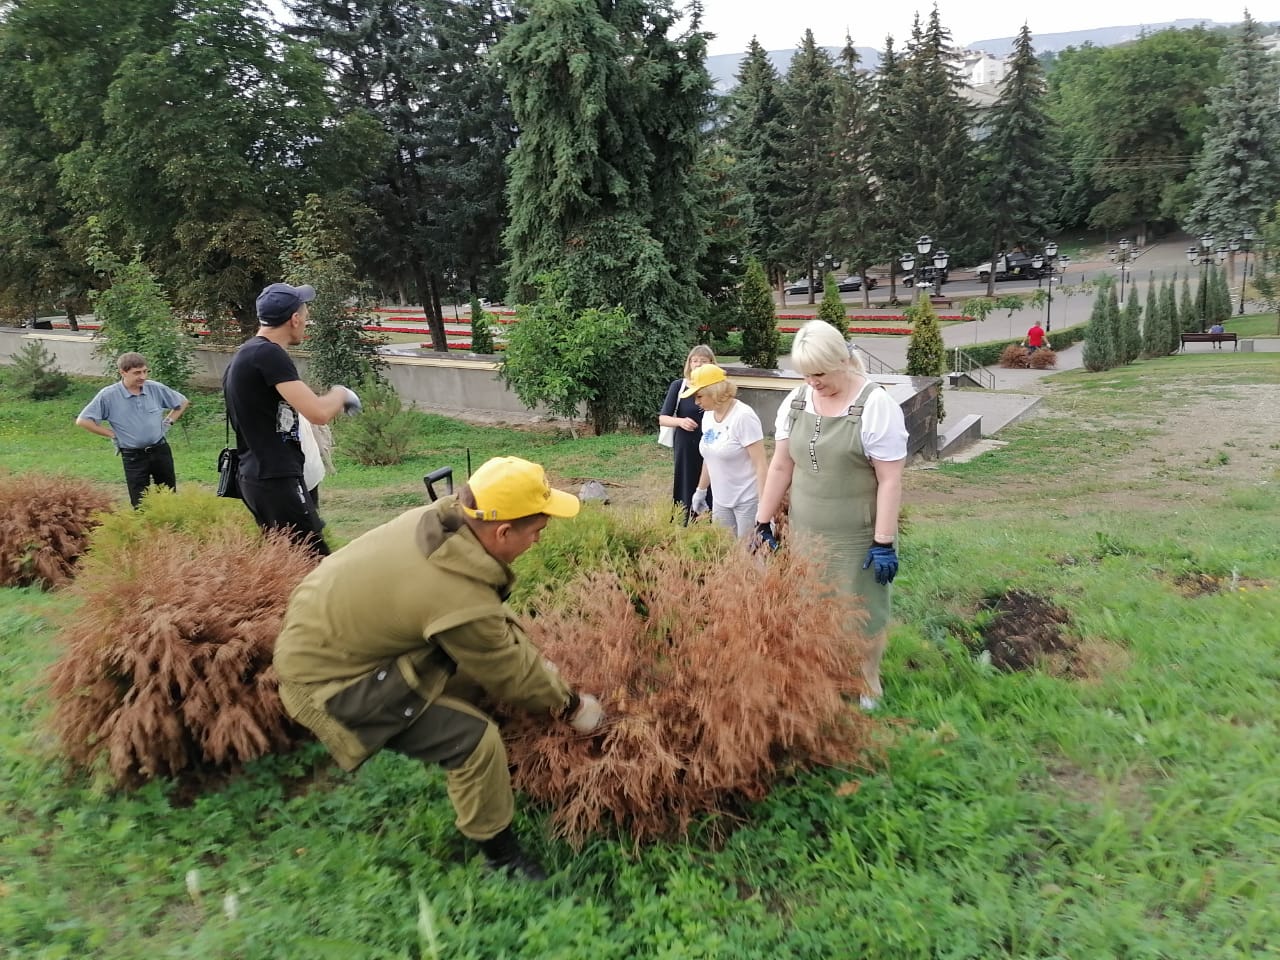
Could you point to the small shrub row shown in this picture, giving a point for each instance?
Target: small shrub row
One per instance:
(1017, 357)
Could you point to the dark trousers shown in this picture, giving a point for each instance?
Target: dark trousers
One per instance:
(146, 465)
(283, 503)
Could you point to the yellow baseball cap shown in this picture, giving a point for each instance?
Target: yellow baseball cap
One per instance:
(508, 488)
(704, 376)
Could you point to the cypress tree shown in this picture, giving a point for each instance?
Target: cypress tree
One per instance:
(1189, 315)
(1131, 326)
(1169, 315)
(1220, 296)
(926, 354)
(1155, 339)
(832, 309)
(1097, 336)
(756, 319)
(1115, 331)
(1197, 318)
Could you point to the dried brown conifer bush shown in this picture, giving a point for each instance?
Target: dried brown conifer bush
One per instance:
(1043, 359)
(719, 675)
(1014, 356)
(167, 662)
(45, 522)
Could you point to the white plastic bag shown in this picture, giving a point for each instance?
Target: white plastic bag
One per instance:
(667, 436)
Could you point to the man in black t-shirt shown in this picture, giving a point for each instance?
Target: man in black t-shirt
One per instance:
(264, 396)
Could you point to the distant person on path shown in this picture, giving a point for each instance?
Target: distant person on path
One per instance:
(685, 416)
(1035, 337)
(137, 413)
(264, 397)
(1217, 328)
(732, 448)
(844, 473)
(391, 642)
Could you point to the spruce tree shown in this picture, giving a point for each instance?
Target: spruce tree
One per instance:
(605, 185)
(1237, 176)
(832, 309)
(1220, 296)
(855, 227)
(756, 319)
(754, 132)
(809, 163)
(1155, 338)
(1017, 161)
(891, 146)
(481, 330)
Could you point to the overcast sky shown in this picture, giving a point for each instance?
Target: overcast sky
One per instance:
(779, 24)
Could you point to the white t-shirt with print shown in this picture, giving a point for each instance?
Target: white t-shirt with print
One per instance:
(724, 451)
(884, 431)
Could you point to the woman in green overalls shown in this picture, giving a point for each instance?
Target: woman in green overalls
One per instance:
(841, 445)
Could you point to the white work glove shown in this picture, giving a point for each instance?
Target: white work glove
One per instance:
(351, 406)
(589, 714)
(699, 502)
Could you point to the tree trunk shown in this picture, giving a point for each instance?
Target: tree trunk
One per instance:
(437, 316)
(439, 341)
(73, 322)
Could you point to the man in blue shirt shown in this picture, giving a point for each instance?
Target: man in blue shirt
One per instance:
(135, 414)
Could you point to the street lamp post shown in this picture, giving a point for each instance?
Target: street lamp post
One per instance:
(914, 265)
(1057, 267)
(1245, 243)
(1205, 254)
(1122, 258)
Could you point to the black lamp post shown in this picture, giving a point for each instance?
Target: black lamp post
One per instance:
(914, 265)
(1245, 243)
(1204, 254)
(1057, 267)
(1122, 258)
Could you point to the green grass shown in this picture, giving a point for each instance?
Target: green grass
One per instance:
(1132, 811)
(1253, 325)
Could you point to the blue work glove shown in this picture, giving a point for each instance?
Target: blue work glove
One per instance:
(351, 406)
(764, 536)
(885, 560)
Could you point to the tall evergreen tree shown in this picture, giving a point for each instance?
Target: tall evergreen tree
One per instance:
(832, 308)
(1196, 320)
(1192, 308)
(1131, 328)
(420, 70)
(891, 145)
(756, 319)
(1169, 314)
(1097, 338)
(1155, 339)
(927, 353)
(605, 182)
(808, 164)
(754, 133)
(855, 228)
(1220, 296)
(1017, 162)
(941, 199)
(1237, 176)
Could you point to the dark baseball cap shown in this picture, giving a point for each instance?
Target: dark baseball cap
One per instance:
(278, 302)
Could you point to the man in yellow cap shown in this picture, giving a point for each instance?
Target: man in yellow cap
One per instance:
(390, 641)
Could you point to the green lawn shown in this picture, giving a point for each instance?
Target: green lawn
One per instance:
(1123, 801)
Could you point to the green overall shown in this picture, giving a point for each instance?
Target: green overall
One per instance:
(833, 494)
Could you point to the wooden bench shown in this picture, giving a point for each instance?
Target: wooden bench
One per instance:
(1207, 338)
(942, 302)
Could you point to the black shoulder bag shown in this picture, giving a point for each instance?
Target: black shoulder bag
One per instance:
(229, 468)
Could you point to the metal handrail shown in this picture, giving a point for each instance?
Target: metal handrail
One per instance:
(873, 363)
(964, 364)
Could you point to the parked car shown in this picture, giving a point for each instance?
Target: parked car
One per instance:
(1009, 266)
(850, 284)
(928, 276)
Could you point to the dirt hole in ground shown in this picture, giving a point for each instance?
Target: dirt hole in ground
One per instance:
(1027, 632)
(1196, 584)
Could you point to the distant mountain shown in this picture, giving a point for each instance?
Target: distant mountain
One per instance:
(724, 67)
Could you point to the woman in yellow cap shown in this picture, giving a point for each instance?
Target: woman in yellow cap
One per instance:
(732, 448)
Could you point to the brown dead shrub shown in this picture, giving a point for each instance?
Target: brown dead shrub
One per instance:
(45, 522)
(718, 674)
(1014, 356)
(1043, 359)
(167, 663)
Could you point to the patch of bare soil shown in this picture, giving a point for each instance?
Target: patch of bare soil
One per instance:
(1027, 632)
(1196, 584)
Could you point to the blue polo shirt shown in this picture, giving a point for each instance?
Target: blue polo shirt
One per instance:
(137, 421)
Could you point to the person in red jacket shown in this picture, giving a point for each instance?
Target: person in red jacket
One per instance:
(1035, 338)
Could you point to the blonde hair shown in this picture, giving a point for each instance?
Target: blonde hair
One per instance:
(718, 393)
(701, 350)
(819, 348)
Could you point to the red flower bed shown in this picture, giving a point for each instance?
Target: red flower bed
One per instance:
(895, 331)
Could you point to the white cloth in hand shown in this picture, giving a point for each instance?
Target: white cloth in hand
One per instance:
(589, 715)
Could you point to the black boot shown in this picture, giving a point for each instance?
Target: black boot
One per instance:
(503, 852)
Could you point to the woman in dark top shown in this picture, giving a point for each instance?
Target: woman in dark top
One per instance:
(686, 417)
